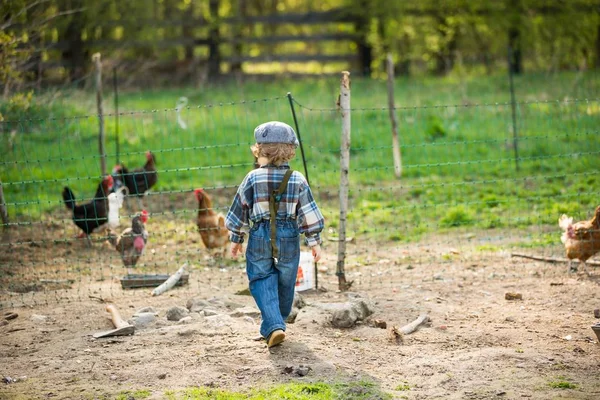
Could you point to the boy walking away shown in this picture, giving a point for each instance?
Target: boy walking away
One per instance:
(278, 205)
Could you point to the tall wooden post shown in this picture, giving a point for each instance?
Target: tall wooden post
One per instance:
(393, 119)
(98, 63)
(344, 178)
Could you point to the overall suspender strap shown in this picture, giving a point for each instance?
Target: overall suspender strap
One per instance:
(274, 201)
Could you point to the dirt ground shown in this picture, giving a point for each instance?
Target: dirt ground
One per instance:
(478, 346)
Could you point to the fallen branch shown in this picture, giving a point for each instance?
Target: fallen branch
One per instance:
(170, 282)
(413, 326)
(552, 260)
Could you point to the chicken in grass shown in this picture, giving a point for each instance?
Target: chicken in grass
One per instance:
(211, 224)
(130, 244)
(92, 215)
(581, 239)
(139, 181)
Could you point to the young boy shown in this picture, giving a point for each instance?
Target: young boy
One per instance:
(278, 205)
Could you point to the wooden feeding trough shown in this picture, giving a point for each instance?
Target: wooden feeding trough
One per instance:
(133, 281)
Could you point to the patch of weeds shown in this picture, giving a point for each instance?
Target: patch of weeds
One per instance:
(547, 239)
(417, 192)
(395, 237)
(404, 386)
(435, 129)
(133, 394)
(360, 390)
(292, 391)
(491, 201)
(457, 216)
(488, 247)
(492, 222)
(562, 383)
(519, 350)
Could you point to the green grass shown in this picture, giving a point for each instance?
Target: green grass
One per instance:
(360, 390)
(458, 161)
(133, 395)
(562, 383)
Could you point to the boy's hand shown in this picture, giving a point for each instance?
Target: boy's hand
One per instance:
(235, 249)
(316, 252)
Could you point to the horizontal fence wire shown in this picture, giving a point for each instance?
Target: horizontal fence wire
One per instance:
(460, 197)
(43, 260)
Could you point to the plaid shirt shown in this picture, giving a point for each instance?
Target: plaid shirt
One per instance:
(251, 203)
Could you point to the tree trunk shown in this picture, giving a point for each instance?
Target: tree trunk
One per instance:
(236, 66)
(214, 56)
(188, 32)
(365, 50)
(445, 57)
(76, 54)
(598, 47)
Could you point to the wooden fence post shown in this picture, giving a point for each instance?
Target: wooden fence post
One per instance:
(393, 119)
(344, 178)
(98, 63)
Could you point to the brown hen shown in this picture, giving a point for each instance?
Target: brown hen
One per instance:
(211, 224)
(581, 239)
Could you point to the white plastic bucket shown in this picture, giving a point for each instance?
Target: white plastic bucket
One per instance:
(305, 279)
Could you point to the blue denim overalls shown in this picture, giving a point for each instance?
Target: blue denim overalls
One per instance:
(272, 276)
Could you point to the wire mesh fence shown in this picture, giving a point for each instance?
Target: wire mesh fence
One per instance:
(472, 187)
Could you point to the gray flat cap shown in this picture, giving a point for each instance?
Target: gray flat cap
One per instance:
(275, 132)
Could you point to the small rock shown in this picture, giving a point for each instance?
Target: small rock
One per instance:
(442, 327)
(3, 322)
(292, 317)
(510, 319)
(176, 313)
(346, 315)
(143, 319)
(513, 296)
(379, 323)
(597, 313)
(249, 320)
(162, 376)
(10, 315)
(39, 318)
(568, 337)
(246, 311)
(288, 370)
(303, 370)
(185, 320)
(113, 377)
(208, 312)
(220, 320)
(8, 379)
(500, 393)
(197, 305)
(298, 301)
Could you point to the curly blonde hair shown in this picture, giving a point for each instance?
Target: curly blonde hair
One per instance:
(276, 153)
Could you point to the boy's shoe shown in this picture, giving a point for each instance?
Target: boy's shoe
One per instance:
(275, 338)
